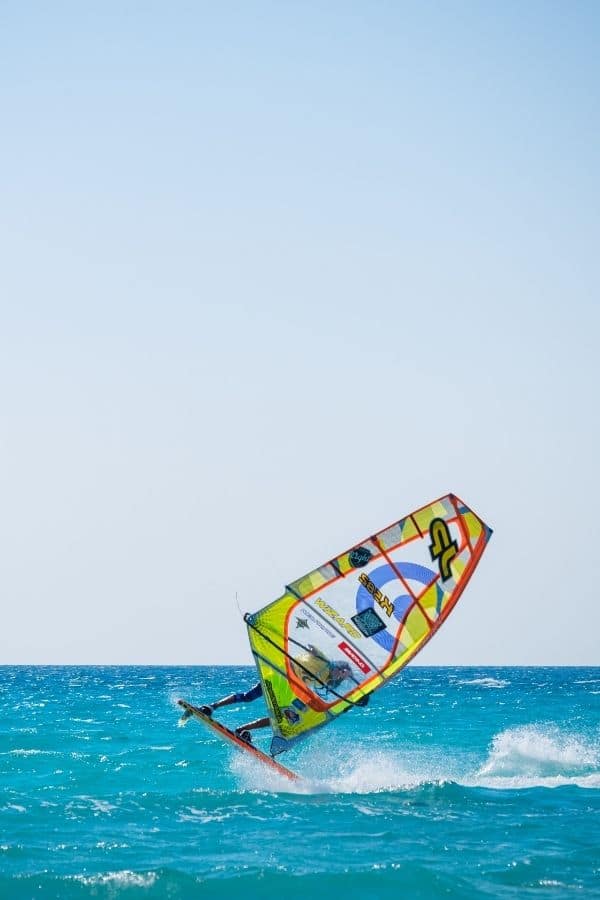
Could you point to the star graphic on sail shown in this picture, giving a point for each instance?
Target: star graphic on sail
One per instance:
(302, 623)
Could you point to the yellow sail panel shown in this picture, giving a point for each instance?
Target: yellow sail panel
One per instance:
(473, 526)
(431, 601)
(341, 631)
(415, 628)
(310, 583)
(440, 509)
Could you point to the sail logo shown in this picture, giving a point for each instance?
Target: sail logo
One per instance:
(274, 704)
(339, 620)
(442, 547)
(380, 598)
(353, 655)
(359, 557)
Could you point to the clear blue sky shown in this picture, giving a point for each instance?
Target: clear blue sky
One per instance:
(273, 275)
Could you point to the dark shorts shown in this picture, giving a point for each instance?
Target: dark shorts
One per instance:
(253, 694)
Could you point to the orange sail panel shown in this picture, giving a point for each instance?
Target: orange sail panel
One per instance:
(344, 629)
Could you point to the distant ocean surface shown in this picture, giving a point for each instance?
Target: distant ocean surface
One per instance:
(454, 782)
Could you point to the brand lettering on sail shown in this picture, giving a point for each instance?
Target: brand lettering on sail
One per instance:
(442, 547)
(333, 614)
(276, 708)
(383, 601)
(353, 655)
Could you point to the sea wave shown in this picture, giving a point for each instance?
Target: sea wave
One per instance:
(357, 772)
(519, 758)
(124, 878)
(241, 881)
(19, 751)
(485, 682)
(539, 750)
(85, 803)
(522, 782)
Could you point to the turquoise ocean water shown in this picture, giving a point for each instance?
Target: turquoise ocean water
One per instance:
(454, 782)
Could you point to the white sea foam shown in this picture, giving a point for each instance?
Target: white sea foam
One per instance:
(525, 757)
(193, 814)
(536, 750)
(33, 752)
(124, 878)
(538, 756)
(376, 774)
(257, 777)
(520, 782)
(98, 806)
(358, 773)
(486, 682)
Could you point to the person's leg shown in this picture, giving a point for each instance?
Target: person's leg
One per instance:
(244, 697)
(244, 730)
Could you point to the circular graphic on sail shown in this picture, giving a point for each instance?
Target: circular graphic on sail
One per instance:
(380, 577)
(360, 556)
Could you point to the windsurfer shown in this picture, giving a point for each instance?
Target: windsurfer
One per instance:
(312, 667)
(316, 671)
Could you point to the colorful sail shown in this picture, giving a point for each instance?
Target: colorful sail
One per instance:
(342, 631)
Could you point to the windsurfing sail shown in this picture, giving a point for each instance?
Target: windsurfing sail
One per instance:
(344, 629)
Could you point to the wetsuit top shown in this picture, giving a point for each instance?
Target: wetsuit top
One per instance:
(253, 694)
